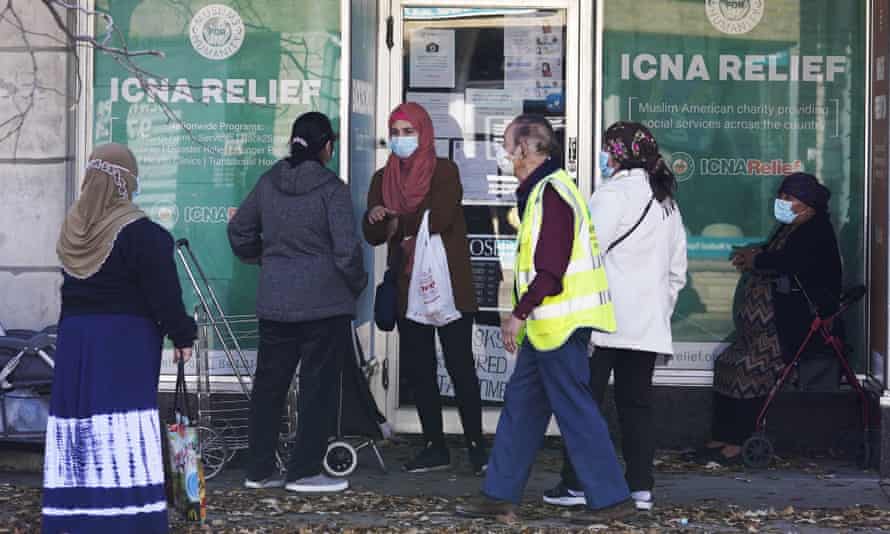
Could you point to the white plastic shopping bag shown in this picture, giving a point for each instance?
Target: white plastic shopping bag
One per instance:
(430, 298)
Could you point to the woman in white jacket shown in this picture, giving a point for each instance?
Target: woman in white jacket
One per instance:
(640, 230)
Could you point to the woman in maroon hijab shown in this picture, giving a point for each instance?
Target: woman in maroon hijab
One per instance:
(413, 181)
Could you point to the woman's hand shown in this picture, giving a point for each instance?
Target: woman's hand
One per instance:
(378, 214)
(743, 259)
(184, 354)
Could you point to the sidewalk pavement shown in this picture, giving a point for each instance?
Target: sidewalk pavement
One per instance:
(796, 495)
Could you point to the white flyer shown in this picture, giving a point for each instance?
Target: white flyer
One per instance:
(432, 58)
(494, 364)
(533, 41)
(489, 111)
(445, 109)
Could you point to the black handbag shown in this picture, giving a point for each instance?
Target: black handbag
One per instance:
(386, 299)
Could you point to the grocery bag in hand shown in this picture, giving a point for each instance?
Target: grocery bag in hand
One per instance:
(430, 297)
(185, 472)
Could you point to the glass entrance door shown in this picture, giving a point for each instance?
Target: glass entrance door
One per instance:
(474, 66)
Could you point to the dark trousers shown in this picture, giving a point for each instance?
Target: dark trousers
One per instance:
(547, 383)
(417, 359)
(633, 399)
(318, 347)
(734, 419)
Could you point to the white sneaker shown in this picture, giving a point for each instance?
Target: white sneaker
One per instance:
(272, 481)
(318, 484)
(643, 500)
(560, 495)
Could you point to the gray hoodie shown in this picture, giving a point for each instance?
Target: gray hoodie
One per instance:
(299, 222)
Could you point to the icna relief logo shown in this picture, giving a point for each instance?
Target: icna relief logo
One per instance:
(165, 213)
(683, 166)
(734, 17)
(216, 32)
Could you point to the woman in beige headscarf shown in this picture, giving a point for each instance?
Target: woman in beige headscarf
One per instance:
(120, 296)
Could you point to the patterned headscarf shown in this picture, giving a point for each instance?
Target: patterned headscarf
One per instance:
(632, 145)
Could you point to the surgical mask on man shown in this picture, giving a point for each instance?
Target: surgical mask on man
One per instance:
(504, 160)
(782, 211)
(403, 146)
(605, 169)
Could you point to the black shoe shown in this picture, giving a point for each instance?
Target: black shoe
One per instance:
(560, 495)
(429, 459)
(701, 452)
(478, 458)
(483, 507)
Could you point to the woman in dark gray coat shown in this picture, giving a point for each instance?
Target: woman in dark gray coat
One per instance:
(298, 224)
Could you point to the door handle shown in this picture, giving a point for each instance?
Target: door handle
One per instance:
(572, 156)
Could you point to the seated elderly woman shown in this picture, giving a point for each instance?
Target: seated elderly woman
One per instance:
(799, 264)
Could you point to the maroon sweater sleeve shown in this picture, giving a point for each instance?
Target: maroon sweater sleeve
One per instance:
(552, 253)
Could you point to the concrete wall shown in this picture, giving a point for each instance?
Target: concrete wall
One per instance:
(35, 167)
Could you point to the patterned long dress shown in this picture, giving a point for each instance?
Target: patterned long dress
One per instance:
(750, 366)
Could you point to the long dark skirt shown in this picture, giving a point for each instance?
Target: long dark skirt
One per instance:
(103, 470)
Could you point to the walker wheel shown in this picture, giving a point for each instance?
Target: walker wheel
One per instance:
(757, 452)
(341, 459)
(213, 449)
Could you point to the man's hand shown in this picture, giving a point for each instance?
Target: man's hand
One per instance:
(184, 354)
(510, 328)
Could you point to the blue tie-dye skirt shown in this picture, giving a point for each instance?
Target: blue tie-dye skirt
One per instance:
(103, 470)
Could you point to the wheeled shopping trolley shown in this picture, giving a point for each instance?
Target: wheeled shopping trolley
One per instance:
(223, 414)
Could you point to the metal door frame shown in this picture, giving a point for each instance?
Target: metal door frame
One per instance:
(579, 129)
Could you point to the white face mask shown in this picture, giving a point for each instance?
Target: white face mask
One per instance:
(505, 160)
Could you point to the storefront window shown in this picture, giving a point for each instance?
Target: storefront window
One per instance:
(211, 115)
(738, 95)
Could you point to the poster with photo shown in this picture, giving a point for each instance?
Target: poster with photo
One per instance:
(432, 58)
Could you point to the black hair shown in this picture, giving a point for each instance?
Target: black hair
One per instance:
(309, 135)
(662, 180)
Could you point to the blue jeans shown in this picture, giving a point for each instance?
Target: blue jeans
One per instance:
(546, 383)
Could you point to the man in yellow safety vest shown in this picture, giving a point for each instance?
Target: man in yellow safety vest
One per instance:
(560, 295)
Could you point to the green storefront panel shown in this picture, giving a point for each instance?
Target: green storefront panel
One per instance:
(739, 94)
(217, 111)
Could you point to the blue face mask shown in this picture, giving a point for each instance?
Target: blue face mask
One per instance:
(605, 169)
(403, 146)
(782, 211)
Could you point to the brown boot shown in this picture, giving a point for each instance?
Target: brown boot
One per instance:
(487, 508)
(607, 514)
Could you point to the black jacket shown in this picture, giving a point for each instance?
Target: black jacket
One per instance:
(299, 222)
(138, 278)
(811, 255)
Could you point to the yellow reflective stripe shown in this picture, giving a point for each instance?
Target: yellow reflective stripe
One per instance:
(580, 265)
(567, 307)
